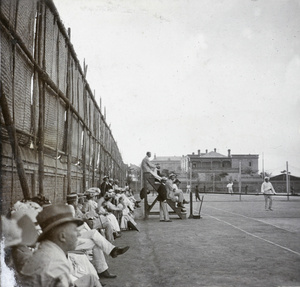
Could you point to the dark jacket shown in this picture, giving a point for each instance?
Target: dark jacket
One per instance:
(105, 186)
(162, 193)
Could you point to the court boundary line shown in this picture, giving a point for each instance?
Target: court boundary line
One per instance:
(258, 237)
(255, 219)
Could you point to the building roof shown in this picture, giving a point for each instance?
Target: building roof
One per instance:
(167, 158)
(133, 166)
(282, 177)
(212, 154)
(245, 155)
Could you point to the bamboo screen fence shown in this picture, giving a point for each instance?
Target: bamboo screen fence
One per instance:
(54, 137)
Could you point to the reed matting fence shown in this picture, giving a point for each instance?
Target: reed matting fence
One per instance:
(54, 136)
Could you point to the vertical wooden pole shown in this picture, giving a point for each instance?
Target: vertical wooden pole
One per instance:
(41, 88)
(84, 161)
(69, 122)
(263, 166)
(240, 180)
(14, 144)
(287, 181)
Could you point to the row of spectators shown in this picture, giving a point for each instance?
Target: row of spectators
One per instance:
(65, 244)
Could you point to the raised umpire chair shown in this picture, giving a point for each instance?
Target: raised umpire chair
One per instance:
(151, 182)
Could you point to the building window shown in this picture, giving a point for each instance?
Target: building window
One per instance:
(194, 165)
(250, 163)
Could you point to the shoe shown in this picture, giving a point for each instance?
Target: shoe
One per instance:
(161, 220)
(117, 235)
(168, 220)
(106, 274)
(183, 210)
(132, 226)
(118, 251)
(185, 202)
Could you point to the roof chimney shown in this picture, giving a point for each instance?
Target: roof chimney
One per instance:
(229, 155)
(215, 149)
(198, 151)
(193, 153)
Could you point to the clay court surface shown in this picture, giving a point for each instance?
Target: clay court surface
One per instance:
(235, 243)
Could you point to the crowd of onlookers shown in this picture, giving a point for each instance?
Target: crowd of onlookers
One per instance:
(65, 244)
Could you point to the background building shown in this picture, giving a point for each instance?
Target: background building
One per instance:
(168, 164)
(228, 167)
(212, 170)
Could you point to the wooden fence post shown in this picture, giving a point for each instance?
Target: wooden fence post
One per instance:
(14, 144)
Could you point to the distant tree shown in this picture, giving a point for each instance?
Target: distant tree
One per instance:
(194, 174)
(223, 174)
(265, 174)
(248, 170)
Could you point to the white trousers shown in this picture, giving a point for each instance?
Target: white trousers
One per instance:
(163, 211)
(93, 240)
(114, 222)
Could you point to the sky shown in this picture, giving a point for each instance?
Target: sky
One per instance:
(178, 76)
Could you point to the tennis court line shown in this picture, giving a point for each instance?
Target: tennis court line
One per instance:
(258, 237)
(251, 218)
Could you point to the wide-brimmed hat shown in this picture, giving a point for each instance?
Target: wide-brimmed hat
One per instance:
(18, 230)
(105, 176)
(172, 174)
(93, 191)
(54, 215)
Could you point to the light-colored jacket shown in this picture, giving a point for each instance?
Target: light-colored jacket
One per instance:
(146, 165)
(267, 188)
(46, 265)
(170, 190)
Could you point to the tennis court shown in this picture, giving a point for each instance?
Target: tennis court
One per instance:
(235, 243)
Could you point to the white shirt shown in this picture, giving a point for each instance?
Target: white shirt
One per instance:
(146, 165)
(267, 188)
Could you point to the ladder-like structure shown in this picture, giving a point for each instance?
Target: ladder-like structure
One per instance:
(155, 185)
